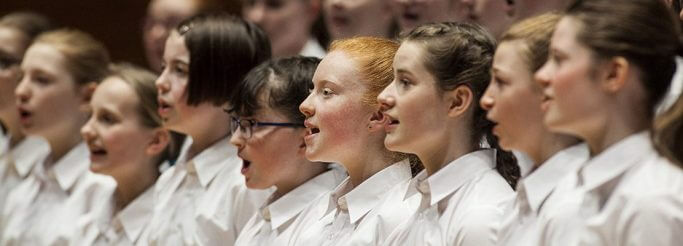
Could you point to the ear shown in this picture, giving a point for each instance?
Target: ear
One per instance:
(459, 100)
(86, 92)
(160, 140)
(615, 75)
(377, 122)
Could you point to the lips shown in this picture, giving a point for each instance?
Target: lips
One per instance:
(311, 131)
(164, 108)
(245, 166)
(96, 152)
(339, 21)
(545, 102)
(24, 116)
(390, 123)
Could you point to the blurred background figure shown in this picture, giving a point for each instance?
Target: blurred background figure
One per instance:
(164, 15)
(494, 15)
(412, 13)
(18, 154)
(349, 18)
(527, 8)
(288, 24)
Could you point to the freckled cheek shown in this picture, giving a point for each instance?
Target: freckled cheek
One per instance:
(342, 123)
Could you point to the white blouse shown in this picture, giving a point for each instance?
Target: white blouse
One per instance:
(276, 220)
(4, 142)
(40, 210)
(362, 215)
(17, 163)
(626, 195)
(202, 201)
(527, 214)
(128, 226)
(461, 204)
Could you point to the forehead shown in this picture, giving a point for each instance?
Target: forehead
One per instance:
(45, 57)
(508, 57)
(115, 91)
(565, 33)
(175, 47)
(171, 8)
(338, 67)
(409, 55)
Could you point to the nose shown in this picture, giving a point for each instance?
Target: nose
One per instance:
(542, 76)
(386, 99)
(87, 131)
(306, 107)
(255, 13)
(486, 102)
(23, 91)
(237, 139)
(162, 82)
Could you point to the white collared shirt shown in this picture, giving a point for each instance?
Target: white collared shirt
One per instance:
(275, 222)
(362, 215)
(520, 226)
(36, 212)
(313, 48)
(128, 226)
(202, 201)
(4, 142)
(626, 195)
(461, 204)
(17, 163)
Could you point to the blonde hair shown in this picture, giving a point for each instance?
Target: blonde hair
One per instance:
(535, 33)
(668, 133)
(375, 60)
(87, 60)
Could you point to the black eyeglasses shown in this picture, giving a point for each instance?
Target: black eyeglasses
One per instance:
(246, 125)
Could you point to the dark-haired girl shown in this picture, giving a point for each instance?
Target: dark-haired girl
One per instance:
(441, 71)
(202, 198)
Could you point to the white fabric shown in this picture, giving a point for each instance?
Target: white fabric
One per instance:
(461, 204)
(4, 142)
(362, 215)
(47, 207)
(626, 195)
(202, 201)
(18, 163)
(273, 224)
(675, 89)
(313, 48)
(522, 222)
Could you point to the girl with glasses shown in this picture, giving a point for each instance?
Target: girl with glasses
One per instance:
(202, 198)
(269, 135)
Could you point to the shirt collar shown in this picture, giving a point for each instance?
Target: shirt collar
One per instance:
(455, 174)
(291, 204)
(210, 161)
(312, 48)
(70, 167)
(367, 195)
(136, 215)
(27, 153)
(4, 142)
(541, 182)
(415, 182)
(616, 159)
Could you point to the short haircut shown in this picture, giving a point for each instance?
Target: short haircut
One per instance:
(223, 48)
(282, 84)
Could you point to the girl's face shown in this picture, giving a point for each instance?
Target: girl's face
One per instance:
(417, 113)
(172, 85)
(336, 119)
(411, 13)
(12, 47)
(572, 97)
(513, 89)
(162, 17)
(114, 133)
(494, 15)
(285, 21)
(50, 103)
(272, 155)
(348, 18)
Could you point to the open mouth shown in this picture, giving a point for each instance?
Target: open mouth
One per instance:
(164, 107)
(96, 152)
(340, 21)
(411, 16)
(245, 166)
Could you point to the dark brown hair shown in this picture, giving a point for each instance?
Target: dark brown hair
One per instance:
(461, 54)
(644, 32)
(223, 48)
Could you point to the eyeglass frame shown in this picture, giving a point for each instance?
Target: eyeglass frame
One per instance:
(236, 123)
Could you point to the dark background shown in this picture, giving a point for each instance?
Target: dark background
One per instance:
(116, 23)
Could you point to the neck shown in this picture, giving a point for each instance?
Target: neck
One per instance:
(616, 126)
(133, 184)
(10, 126)
(58, 149)
(307, 170)
(363, 164)
(549, 145)
(447, 149)
(208, 132)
